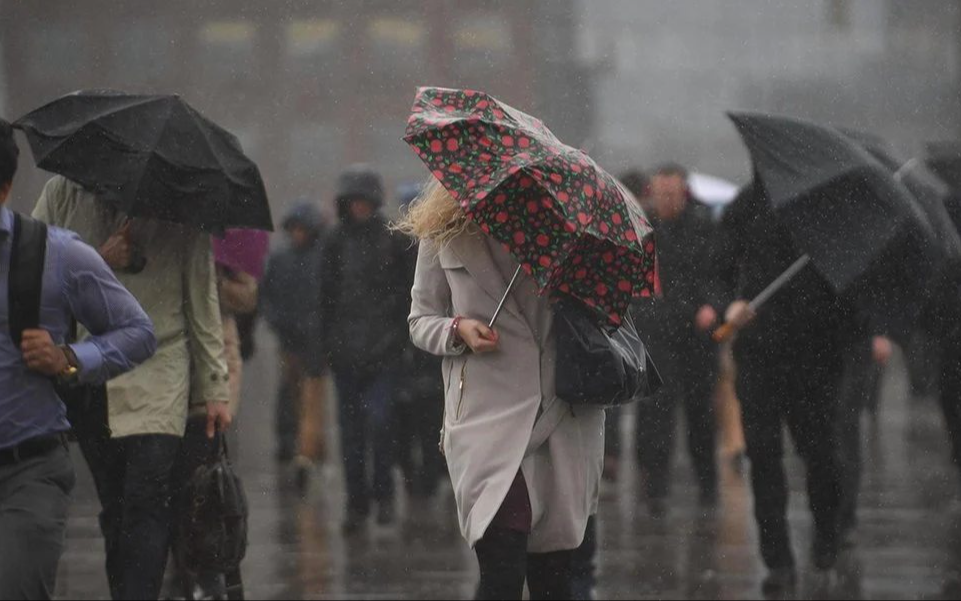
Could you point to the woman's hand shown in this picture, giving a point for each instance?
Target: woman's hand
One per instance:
(477, 336)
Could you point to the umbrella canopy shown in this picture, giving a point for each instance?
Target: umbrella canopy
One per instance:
(712, 191)
(944, 158)
(243, 250)
(568, 222)
(151, 156)
(928, 190)
(862, 229)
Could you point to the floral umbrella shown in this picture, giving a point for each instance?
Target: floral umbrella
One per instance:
(571, 226)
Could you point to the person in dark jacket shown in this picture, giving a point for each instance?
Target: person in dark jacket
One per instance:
(364, 301)
(290, 303)
(790, 358)
(678, 330)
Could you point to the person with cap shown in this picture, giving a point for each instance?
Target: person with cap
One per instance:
(290, 304)
(365, 271)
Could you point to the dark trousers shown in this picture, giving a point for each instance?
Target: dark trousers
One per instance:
(288, 409)
(951, 392)
(505, 565)
(418, 431)
(801, 389)
(34, 500)
(689, 366)
(859, 389)
(584, 565)
(133, 477)
(366, 422)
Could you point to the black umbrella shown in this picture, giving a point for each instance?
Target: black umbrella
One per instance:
(944, 158)
(862, 229)
(929, 191)
(152, 156)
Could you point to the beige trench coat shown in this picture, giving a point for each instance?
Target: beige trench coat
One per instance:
(506, 416)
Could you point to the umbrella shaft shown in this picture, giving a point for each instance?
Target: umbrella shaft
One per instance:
(500, 305)
(780, 282)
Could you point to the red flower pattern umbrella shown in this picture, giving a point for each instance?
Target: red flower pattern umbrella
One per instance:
(569, 223)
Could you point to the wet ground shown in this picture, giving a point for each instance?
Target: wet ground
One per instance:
(909, 541)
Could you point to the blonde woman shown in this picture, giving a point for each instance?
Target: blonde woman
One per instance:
(525, 466)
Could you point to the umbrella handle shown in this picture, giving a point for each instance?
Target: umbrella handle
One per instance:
(724, 333)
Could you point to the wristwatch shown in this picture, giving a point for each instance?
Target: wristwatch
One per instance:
(72, 372)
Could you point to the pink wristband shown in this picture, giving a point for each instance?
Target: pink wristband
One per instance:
(455, 326)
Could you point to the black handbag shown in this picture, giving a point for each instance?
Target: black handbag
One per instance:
(600, 367)
(212, 528)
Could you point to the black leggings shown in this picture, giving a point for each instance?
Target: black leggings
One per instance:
(505, 565)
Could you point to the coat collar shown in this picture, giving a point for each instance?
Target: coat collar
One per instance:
(472, 251)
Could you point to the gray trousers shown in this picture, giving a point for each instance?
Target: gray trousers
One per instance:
(34, 499)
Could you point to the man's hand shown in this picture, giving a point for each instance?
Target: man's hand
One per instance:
(882, 349)
(476, 335)
(117, 250)
(740, 314)
(218, 417)
(706, 318)
(41, 354)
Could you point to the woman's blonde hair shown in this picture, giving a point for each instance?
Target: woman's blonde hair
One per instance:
(435, 216)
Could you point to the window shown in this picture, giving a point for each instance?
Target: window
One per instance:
(309, 39)
(482, 42)
(227, 51)
(396, 47)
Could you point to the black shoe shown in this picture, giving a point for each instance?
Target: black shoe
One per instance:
(386, 514)
(779, 583)
(354, 523)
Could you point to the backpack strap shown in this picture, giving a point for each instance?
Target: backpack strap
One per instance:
(27, 261)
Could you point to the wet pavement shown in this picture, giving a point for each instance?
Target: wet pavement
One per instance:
(909, 540)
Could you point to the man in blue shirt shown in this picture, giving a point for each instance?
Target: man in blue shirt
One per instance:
(36, 474)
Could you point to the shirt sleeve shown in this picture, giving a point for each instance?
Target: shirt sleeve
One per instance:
(204, 325)
(122, 336)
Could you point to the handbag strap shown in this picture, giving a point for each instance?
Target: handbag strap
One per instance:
(219, 449)
(25, 287)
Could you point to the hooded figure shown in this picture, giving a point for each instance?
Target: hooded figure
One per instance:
(365, 274)
(290, 302)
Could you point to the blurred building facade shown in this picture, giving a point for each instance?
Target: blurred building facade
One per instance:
(666, 72)
(310, 86)
(307, 86)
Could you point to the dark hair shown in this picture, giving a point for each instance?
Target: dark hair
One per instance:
(9, 153)
(635, 181)
(672, 170)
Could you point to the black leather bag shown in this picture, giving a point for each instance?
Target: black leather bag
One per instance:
(212, 528)
(599, 367)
